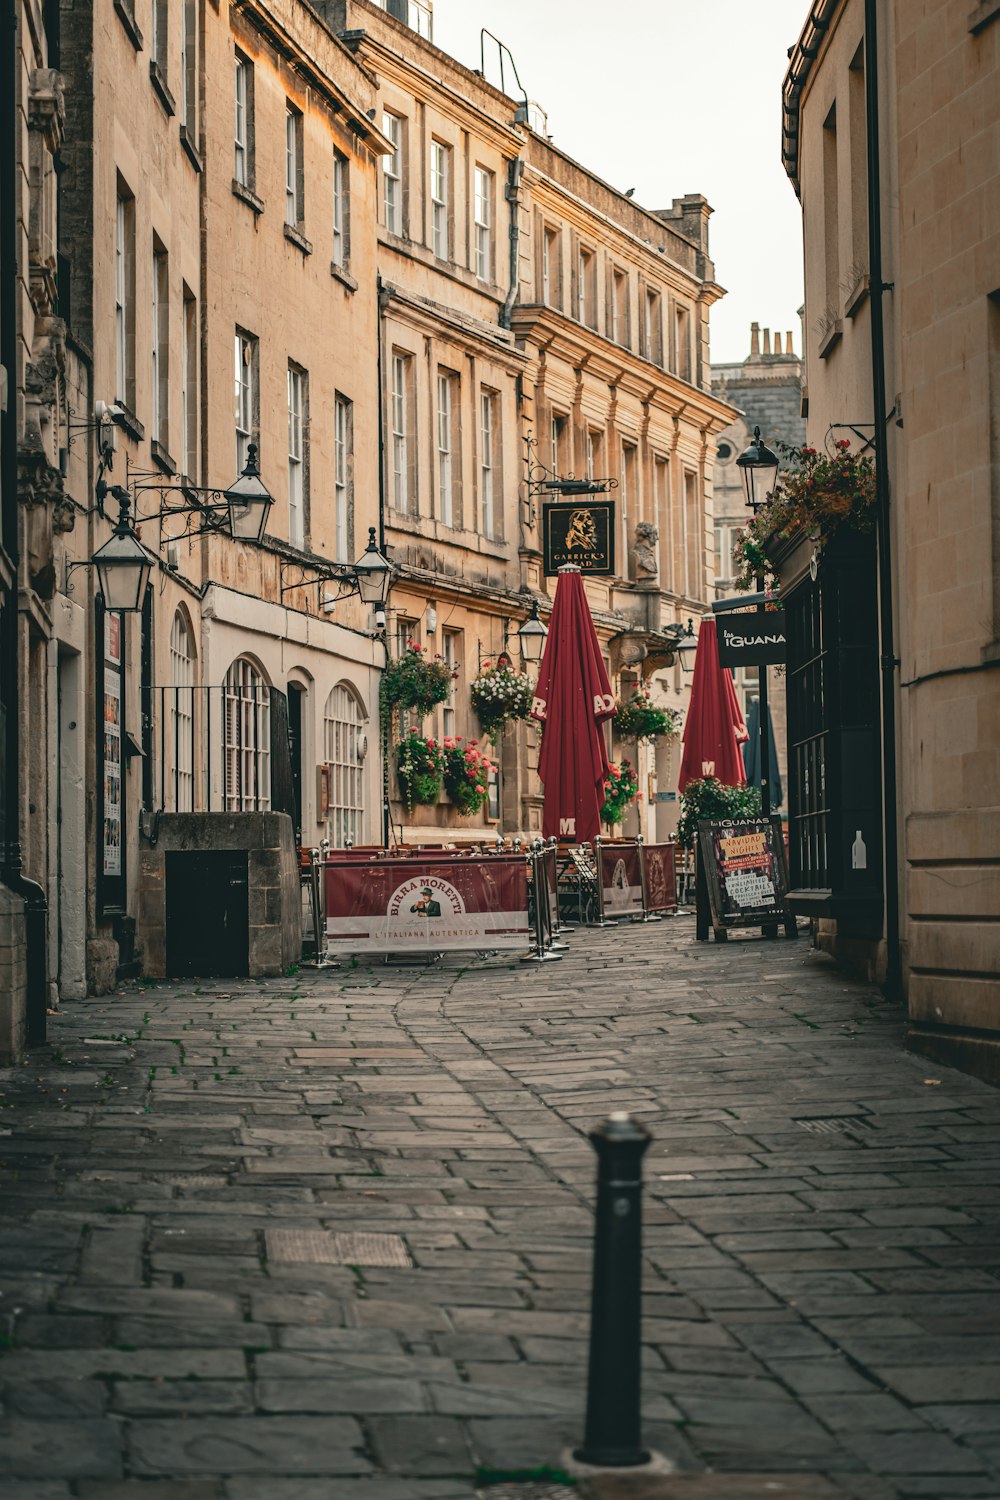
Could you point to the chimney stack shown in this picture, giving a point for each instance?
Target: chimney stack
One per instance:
(788, 343)
(767, 340)
(777, 343)
(754, 339)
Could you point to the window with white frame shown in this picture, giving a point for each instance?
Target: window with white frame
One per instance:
(160, 344)
(558, 433)
(403, 491)
(664, 517)
(652, 326)
(343, 443)
(593, 454)
(125, 297)
(246, 746)
(682, 342)
(341, 209)
(448, 450)
(243, 164)
(586, 264)
(246, 350)
(694, 537)
(189, 387)
(440, 173)
(296, 456)
(449, 655)
(619, 307)
(343, 727)
(489, 511)
(179, 795)
(294, 211)
(392, 174)
(551, 267)
(483, 220)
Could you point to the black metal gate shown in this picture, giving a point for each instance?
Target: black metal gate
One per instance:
(207, 914)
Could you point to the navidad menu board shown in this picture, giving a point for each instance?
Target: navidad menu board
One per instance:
(746, 873)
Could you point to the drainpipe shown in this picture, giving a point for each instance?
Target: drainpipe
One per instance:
(515, 170)
(382, 297)
(887, 656)
(35, 904)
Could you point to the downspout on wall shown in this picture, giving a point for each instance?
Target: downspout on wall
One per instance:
(515, 171)
(887, 654)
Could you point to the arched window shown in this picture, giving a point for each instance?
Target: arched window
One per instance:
(247, 739)
(343, 727)
(180, 751)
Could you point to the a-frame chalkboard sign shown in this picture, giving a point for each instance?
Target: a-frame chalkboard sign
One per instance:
(742, 877)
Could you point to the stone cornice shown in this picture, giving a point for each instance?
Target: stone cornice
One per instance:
(434, 317)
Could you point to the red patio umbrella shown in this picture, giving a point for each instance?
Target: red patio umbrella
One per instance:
(714, 728)
(573, 698)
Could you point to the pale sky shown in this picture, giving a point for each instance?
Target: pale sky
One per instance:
(668, 97)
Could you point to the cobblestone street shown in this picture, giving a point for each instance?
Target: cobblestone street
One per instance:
(188, 1313)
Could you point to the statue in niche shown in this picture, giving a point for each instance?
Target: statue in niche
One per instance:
(645, 565)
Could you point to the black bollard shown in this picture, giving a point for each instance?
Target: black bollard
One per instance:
(613, 1434)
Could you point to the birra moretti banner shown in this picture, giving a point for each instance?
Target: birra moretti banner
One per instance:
(437, 905)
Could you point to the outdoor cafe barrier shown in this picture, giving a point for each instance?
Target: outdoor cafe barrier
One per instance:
(635, 880)
(429, 901)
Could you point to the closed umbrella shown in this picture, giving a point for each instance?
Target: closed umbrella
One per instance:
(714, 728)
(751, 754)
(573, 698)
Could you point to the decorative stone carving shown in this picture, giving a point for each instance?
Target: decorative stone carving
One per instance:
(46, 115)
(645, 563)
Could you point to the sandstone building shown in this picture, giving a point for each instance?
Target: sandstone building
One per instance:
(307, 236)
(938, 92)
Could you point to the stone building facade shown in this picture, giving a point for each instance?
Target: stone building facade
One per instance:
(766, 388)
(310, 231)
(938, 85)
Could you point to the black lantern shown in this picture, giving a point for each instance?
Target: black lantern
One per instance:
(533, 635)
(123, 564)
(249, 501)
(374, 573)
(686, 647)
(760, 470)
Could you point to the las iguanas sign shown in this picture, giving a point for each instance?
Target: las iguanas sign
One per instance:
(752, 640)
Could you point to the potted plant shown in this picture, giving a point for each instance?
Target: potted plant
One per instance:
(466, 775)
(500, 694)
(420, 767)
(621, 786)
(711, 798)
(815, 493)
(416, 680)
(638, 719)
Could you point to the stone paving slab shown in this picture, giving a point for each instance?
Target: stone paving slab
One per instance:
(822, 1247)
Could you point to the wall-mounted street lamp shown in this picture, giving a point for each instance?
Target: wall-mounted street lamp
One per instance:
(686, 648)
(532, 635)
(370, 576)
(123, 564)
(759, 464)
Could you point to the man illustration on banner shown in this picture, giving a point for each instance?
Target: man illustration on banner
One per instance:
(427, 906)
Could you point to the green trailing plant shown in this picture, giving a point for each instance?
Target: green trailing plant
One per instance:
(711, 798)
(638, 719)
(420, 767)
(621, 787)
(466, 775)
(500, 694)
(816, 493)
(415, 680)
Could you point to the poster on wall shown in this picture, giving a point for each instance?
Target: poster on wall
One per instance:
(437, 906)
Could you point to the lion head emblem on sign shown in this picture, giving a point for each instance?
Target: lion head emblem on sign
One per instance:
(581, 534)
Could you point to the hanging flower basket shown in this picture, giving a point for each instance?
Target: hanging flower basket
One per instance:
(416, 680)
(815, 494)
(466, 775)
(638, 719)
(420, 767)
(500, 694)
(621, 787)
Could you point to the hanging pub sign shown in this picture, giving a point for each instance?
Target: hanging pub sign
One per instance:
(752, 640)
(744, 874)
(580, 532)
